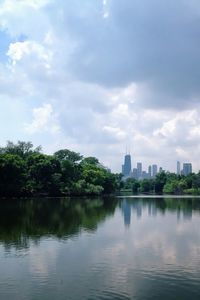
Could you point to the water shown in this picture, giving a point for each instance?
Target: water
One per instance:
(125, 248)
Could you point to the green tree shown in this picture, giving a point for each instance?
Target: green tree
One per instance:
(160, 181)
(132, 184)
(21, 148)
(146, 185)
(70, 170)
(67, 155)
(12, 175)
(43, 174)
(172, 187)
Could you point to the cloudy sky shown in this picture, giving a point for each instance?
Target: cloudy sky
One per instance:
(96, 75)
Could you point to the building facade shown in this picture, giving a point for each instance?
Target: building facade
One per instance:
(154, 170)
(126, 168)
(139, 170)
(187, 169)
(178, 168)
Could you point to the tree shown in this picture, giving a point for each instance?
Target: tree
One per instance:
(132, 184)
(43, 174)
(146, 185)
(23, 149)
(12, 175)
(90, 161)
(172, 187)
(24, 171)
(160, 181)
(65, 154)
(70, 169)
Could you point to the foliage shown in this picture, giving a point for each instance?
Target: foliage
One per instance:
(25, 171)
(12, 174)
(146, 185)
(167, 183)
(23, 149)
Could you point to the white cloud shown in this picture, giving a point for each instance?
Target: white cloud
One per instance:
(102, 77)
(120, 134)
(19, 50)
(13, 5)
(105, 9)
(24, 17)
(44, 120)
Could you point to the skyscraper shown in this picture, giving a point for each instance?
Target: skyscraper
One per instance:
(127, 165)
(178, 168)
(139, 170)
(187, 169)
(149, 171)
(135, 174)
(154, 170)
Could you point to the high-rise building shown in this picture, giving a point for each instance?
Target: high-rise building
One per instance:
(144, 175)
(149, 171)
(139, 170)
(187, 169)
(154, 170)
(127, 165)
(178, 168)
(135, 174)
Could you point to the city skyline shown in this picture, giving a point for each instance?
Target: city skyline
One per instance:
(136, 170)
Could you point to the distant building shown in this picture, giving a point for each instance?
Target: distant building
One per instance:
(178, 168)
(135, 173)
(154, 170)
(160, 169)
(187, 169)
(127, 165)
(139, 170)
(144, 175)
(149, 171)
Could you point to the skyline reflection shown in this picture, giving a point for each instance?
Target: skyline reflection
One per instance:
(182, 207)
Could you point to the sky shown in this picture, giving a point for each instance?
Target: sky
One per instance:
(98, 76)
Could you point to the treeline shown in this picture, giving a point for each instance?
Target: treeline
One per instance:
(165, 183)
(26, 171)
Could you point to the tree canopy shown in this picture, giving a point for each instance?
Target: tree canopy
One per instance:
(165, 183)
(25, 171)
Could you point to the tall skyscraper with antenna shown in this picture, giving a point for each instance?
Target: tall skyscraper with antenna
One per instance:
(126, 167)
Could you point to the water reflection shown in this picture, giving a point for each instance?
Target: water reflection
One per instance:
(183, 207)
(22, 220)
(123, 248)
(25, 220)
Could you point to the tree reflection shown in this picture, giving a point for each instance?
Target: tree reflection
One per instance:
(22, 221)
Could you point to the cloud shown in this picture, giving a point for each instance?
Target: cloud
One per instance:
(151, 43)
(19, 50)
(44, 119)
(22, 20)
(95, 76)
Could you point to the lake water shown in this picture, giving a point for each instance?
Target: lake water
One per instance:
(120, 248)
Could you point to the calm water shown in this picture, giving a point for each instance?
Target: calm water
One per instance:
(128, 248)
